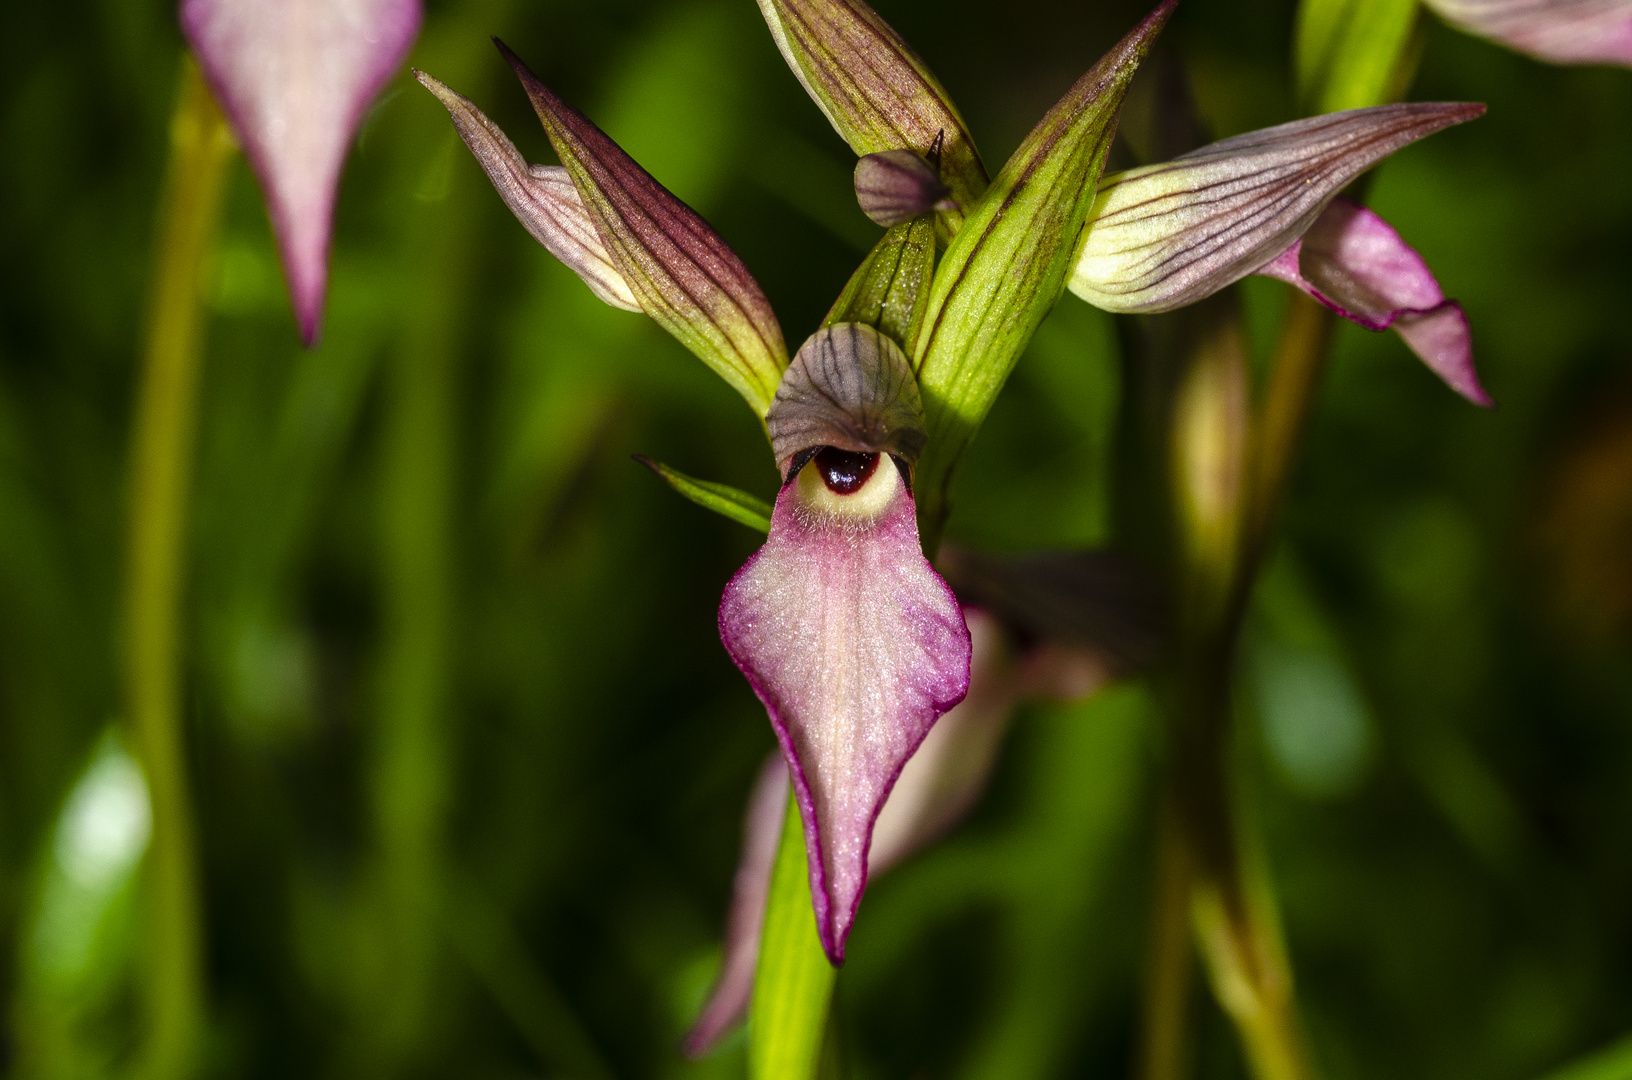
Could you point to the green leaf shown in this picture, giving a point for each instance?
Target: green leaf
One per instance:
(793, 985)
(1354, 53)
(890, 288)
(723, 499)
(1009, 264)
(1611, 1063)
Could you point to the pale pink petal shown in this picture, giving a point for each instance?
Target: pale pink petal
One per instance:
(1563, 31)
(856, 647)
(295, 78)
(1354, 262)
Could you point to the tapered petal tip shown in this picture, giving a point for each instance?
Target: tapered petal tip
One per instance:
(1354, 263)
(295, 79)
(856, 647)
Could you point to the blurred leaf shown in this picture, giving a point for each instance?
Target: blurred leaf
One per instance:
(1354, 53)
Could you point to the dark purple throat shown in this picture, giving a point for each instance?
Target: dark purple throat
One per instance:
(844, 472)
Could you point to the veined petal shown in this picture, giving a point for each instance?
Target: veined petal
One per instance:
(542, 197)
(895, 186)
(1563, 31)
(1007, 267)
(295, 78)
(1354, 262)
(851, 388)
(1167, 235)
(856, 647)
(872, 87)
(680, 272)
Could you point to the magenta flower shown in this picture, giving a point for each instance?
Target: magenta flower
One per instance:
(1562, 31)
(295, 78)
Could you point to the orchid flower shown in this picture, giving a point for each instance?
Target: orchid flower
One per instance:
(850, 638)
(1055, 626)
(295, 78)
(1266, 202)
(1562, 31)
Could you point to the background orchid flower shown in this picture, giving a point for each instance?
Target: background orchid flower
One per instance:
(1563, 31)
(1167, 235)
(295, 78)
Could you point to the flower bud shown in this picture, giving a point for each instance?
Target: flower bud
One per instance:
(895, 186)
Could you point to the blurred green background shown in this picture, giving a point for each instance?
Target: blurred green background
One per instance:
(469, 761)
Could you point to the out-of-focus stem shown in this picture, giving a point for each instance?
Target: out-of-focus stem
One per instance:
(1300, 359)
(410, 767)
(1225, 482)
(1167, 988)
(793, 985)
(160, 481)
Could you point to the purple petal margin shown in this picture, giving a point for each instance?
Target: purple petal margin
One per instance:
(856, 647)
(1562, 31)
(295, 78)
(1354, 262)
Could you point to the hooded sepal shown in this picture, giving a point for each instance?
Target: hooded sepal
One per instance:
(295, 79)
(542, 197)
(1354, 262)
(1168, 235)
(679, 270)
(872, 87)
(849, 388)
(1008, 265)
(1562, 31)
(895, 186)
(856, 647)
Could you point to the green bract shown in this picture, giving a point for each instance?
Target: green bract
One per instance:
(1010, 262)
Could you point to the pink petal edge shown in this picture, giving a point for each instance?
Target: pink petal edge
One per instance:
(1355, 263)
(856, 646)
(295, 78)
(1560, 31)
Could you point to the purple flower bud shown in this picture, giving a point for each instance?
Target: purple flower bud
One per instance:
(895, 186)
(295, 78)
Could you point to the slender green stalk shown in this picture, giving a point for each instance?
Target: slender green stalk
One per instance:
(1226, 479)
(794, 983)
(160, 482)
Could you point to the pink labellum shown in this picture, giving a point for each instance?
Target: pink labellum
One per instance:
(856, 646)
(1563, 31)
(295, 78)
(1354, 262)
(937, 788)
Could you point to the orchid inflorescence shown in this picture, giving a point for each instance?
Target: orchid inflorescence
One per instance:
(862, 653)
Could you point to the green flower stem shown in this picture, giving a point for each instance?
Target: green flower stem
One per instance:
(793, 986)
(1227, 477)
(160, 480)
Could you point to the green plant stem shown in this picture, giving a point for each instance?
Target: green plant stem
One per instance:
(793, 985)
(162, 445)
(1228, 480)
